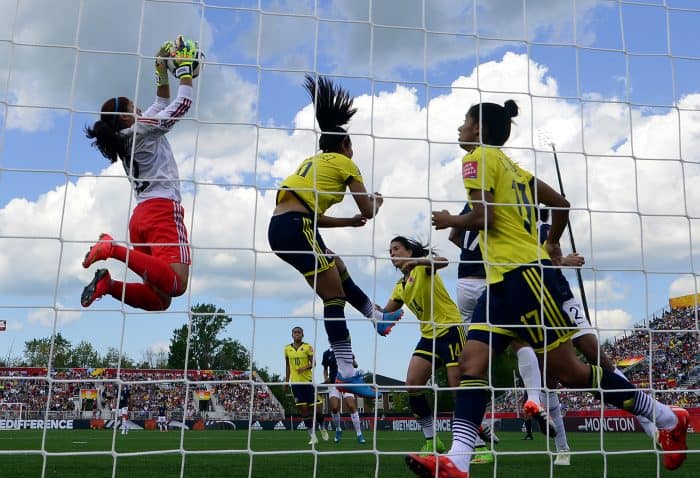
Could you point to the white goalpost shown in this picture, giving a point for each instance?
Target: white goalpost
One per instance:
(609, 115)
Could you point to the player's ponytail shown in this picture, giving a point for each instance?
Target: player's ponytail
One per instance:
(333, 111)
(417, 249)
(106, 130)
(495, 121)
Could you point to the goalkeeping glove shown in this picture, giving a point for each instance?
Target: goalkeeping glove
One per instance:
(185, 54)
(162, 63)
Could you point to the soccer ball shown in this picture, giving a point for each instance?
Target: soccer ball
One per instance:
(196, 65)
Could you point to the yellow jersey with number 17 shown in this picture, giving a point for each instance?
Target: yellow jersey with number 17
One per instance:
(513, 239)
(298, 358)
(320, 181)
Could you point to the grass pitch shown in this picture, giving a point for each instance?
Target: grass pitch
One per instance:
(285, 454)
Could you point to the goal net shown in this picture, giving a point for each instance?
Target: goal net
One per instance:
(609, 113)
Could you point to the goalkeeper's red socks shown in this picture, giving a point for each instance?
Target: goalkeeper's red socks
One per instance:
(137, 295)
(154, 271)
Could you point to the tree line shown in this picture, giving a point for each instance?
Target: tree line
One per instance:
(208, 349)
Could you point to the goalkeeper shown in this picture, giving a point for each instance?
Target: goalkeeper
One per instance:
(138, 140)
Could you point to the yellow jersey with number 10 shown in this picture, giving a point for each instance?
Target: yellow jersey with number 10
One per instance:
(297, 358)
(513, 239)
(320, 181)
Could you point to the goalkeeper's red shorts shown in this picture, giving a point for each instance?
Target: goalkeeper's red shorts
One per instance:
(160, 221)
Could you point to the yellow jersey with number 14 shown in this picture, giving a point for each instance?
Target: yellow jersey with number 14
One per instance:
(425, 295)
(512, 241)
(298, 358)
(320, 181)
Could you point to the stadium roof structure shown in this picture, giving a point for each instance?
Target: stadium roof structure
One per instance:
(384, 381)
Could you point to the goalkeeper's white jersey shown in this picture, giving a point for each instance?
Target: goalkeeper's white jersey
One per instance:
(153, 171)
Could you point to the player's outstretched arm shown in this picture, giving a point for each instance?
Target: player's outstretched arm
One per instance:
(367, 203)
(392, 305)
(573, 260)
(358, 220)
(481, 216)
(161, 65)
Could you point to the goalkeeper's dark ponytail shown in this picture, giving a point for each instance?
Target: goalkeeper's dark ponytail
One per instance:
(106, 131)
(333, 111)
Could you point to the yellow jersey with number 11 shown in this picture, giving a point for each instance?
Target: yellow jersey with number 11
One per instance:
(320, 181)
(513, 239)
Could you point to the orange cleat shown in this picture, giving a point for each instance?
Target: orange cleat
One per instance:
(533, 410)
(434, 467)
(674, 440)
(101, 251)
(98, 287)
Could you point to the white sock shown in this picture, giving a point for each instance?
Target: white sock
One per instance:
(554, 410)
(479, 442)
(646, 424)
(344, 357)
(378, 314)
(665, 418)
(355, 416)
(428, 426)
(464, 435)
(336, 420)
(530, 372)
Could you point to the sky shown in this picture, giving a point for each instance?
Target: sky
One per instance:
(613, 85)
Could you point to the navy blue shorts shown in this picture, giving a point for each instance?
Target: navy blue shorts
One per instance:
(526, 305)
(305, 394)
(446, 349)
(293, 239)
(563, 286)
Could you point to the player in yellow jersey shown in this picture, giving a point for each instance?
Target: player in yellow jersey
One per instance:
(302, 201)
(442, 332)
(299, 360)
(522, 300)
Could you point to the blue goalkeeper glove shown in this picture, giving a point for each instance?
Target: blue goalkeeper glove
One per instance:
(161, 63)
(184, 56)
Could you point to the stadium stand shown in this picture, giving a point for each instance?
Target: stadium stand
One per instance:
(149, 388)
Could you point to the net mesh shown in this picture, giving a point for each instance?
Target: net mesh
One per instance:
(605, 88)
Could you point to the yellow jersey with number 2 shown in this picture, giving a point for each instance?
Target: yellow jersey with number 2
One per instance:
(512, 241)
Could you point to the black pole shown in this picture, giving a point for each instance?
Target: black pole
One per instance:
(584, 302)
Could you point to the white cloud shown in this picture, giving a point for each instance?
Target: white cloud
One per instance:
(612, 322)
(685, 285)
(160, 346)
(64, 64)
(47, 317)
(14, 325)
(448, 35)
(604, 290)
